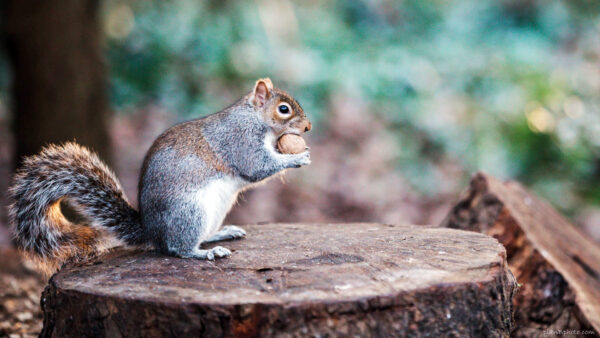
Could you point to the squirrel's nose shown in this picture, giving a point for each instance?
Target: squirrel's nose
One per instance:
(308, 127)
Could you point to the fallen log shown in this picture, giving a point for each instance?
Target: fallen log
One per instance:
(556, 265)
(294, 279)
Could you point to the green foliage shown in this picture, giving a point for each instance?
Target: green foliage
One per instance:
(509, 87)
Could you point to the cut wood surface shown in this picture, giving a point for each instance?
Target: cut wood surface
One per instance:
(294, 279)
(556, 264)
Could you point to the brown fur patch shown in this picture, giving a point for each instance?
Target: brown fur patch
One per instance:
(56, 217)
(285, 97)
(186, 138)
(77, 241)
(47, 266)
(297, 119)
(84, 238)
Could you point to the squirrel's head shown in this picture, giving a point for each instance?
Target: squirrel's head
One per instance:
(278, 109)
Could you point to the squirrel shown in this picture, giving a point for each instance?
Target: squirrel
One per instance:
(190, 179)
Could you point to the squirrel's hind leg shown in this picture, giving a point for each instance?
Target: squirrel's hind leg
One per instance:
(180, 230)
(228, 232)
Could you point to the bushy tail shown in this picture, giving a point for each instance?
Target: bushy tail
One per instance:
(72, 173)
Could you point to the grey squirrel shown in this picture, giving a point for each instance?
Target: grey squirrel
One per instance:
(190, 179)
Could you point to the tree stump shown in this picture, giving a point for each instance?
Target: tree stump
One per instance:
(557, 266)
(294, 280)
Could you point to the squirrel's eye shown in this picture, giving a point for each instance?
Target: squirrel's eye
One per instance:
(284, 109)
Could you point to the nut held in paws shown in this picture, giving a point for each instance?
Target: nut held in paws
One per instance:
(291, 144)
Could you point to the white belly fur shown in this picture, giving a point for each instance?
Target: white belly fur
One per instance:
(216, 199)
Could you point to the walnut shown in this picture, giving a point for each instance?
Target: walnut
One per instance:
(291, 144)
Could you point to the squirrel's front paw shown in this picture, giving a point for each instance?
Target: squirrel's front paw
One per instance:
(302, 159)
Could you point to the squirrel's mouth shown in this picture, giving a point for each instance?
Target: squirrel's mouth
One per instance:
(288, 133)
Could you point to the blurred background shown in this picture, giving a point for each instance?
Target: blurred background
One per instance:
(408, 98)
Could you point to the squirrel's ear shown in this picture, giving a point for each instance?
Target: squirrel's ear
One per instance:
(262, 92)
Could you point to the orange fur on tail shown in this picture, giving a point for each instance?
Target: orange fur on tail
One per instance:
(74, 174)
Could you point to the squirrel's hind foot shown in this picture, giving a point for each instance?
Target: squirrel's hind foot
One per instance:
(211, 254)
(226, 233)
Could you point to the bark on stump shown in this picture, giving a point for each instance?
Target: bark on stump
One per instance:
(557, 266)
(294, 280)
